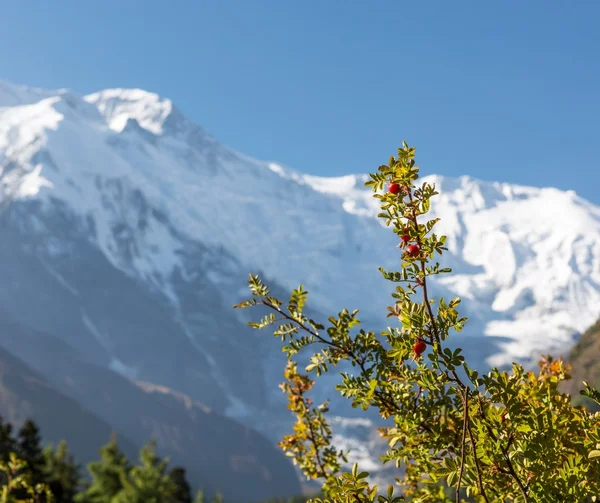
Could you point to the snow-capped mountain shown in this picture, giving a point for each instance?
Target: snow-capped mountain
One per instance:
(129, 232)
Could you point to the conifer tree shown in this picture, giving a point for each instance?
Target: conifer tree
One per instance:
(29, 450)
(107, 475)
(7, 441)
(149, 481)
(61, 473)
(183, 493)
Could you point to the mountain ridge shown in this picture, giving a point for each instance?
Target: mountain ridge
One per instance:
(132, 231)
(25, 394)
(218, 453)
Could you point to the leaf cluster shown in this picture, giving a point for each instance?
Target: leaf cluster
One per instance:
(503, 436)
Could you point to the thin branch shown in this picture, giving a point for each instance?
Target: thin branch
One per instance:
(462, 448)
(316, 447)
(514, 475)
(511, 470)
(474, 448)
(413, 218)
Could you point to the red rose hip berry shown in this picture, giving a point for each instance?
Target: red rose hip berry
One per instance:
(394, 188)
(413, 250)
(405, 238)
(419, 348)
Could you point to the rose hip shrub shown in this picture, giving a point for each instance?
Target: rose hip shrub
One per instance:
(503, 436)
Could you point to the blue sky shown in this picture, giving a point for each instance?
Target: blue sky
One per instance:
(505, 90)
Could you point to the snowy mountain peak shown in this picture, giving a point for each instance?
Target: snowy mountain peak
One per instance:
(13, 94)
(127, 233)
(118, 106)
(129, 109)
(147, 184)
